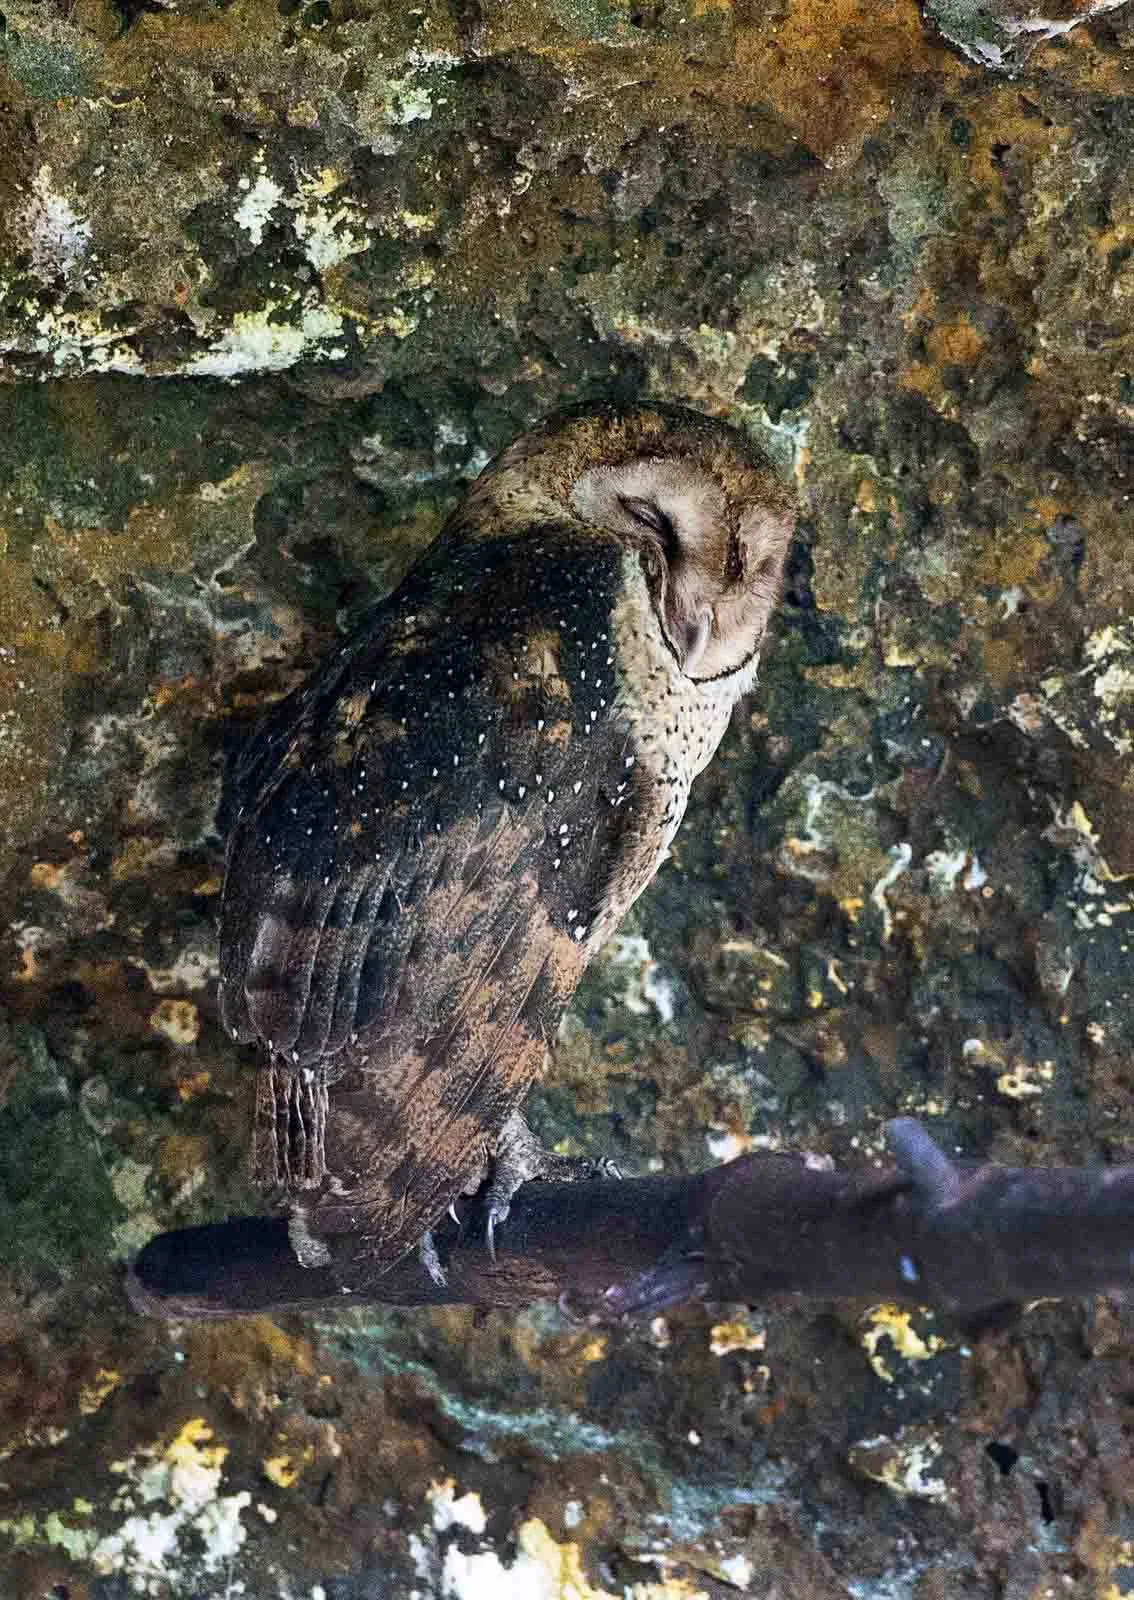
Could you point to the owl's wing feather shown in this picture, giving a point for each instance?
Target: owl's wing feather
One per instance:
(400, 919)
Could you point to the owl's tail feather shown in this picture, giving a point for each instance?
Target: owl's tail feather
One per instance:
(289, 1136)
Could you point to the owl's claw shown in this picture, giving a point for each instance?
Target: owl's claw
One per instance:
(519, 1157)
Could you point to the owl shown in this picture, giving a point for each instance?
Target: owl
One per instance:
(434, 834)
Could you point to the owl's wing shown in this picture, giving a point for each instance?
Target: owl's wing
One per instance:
(405, 913)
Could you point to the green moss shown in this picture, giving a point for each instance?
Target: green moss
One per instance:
(57, 1208)
(47, 69)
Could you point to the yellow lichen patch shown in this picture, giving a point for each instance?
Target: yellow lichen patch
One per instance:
(563, 1570)
(1101, 1553)
(1006, 562)
(955, 344)
(725, 1337)
(45, 1438)
(894, 1324)
(46, 875)
(1076, 819)
(921, 378)
(177, 1020)
(140, 856)
(32, 691)
(666, 1589)
(286, 1468)
(866, 496)
(1025, 1079)
(188, 1088)
(831, 70)
(190, 1448)
(210, 885)
(569, 1354)
(102, 1385)
(181, 1156)
(350, 711)
(248, 1359)
(1002, 116)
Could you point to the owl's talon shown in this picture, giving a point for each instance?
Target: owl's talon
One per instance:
(519, 1158)
(495, 1214)
(431, 1261)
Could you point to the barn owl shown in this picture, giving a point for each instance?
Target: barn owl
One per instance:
(436, 832)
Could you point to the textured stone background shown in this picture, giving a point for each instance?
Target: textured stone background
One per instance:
(276, 276)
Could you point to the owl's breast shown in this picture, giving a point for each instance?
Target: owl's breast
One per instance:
(669, 727)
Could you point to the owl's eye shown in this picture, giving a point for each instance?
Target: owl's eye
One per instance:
(652, 516)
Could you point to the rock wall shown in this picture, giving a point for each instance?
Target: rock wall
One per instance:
(275, 279)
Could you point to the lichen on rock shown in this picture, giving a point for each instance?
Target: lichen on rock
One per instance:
(277, 278)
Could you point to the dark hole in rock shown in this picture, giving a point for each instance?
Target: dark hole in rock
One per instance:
(1047, 1511)
(1004, 1456)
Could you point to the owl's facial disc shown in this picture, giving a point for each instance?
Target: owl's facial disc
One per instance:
(687, 626)
(688, 535)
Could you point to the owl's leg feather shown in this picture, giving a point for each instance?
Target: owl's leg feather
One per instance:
(431, 1261)
(290, 1128)
(519, 1157)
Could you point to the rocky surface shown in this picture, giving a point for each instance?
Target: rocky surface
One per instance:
(275, 278)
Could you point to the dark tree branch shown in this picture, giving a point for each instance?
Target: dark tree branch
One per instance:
(963, 1236)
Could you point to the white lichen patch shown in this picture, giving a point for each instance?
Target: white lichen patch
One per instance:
(412, 96)
(271, 339)
(192, 968)
(451, 1510)
(1109, 711)
(183, 1480)
(192, 1531)
(76, 1542)
(737, 1570)
(56, 237)
(128, 1180)
(330, 233)
(903, 1464)
(954, 862)
(900, 857)
(725, 1145)
(77, 341)
(542, 1569)
(637, 981)
(893, 1325)
(261, 196)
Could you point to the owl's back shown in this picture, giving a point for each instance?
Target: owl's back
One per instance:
(426, 836)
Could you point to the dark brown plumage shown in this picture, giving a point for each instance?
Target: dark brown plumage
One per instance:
(435, 833)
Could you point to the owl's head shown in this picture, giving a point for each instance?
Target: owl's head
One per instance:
(689, 497)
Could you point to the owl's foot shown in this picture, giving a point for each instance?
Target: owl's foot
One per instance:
(519, 1157)
(431, 1261)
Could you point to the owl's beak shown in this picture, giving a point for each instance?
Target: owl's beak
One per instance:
(689, 635)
